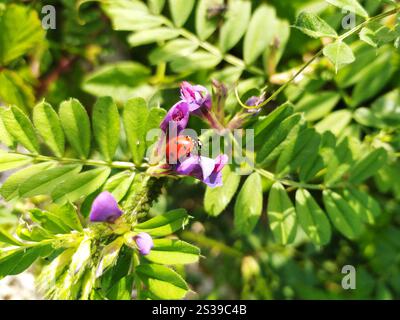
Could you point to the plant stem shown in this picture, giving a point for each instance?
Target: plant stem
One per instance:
(86, 162)
(204, 241)
(218, 53)
(319, 53)
(269, 175)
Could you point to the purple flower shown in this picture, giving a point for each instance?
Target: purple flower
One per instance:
(177, 117)
(105, 208)
(196, 96)
(254, 102)
(144, 243)
(205, 169)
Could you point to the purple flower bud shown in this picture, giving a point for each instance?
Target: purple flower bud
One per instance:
(144, 243)
(177, 117)
(254, 102)
(196, 96)
(205, 169)
(105, 208)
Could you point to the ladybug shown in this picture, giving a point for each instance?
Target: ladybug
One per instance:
(180, 147)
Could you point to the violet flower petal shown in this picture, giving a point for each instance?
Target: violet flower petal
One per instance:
(190, 167)
(144, 243)
(207, 166)
(203, 168)
(196, 96)
(178, 115)
(214, 180)
(220, 161)
(105, 208)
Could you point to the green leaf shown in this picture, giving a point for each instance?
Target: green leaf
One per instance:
(106, 128)
(49, 127)
(217, 199)
(342, 215)
(298, 151)
(314, 26)
(338, 160)
(206, 25)
(270, 122)
(131, 15)
(374, 81)
(335, 122)
(20, 128)
(350, 5)
(156, 6)
(383, 113)
(317, 105)
(21, 31)
(17, 261)
(162, 282)
(122, 289)
(259, 33)
(316, 162)
(339, 53)
(122, 80)
(46, 181)
(16, 90)
(276, 137)
(172, 50)
(119, 184)
(366, 56)
(153, 35)
(80, 258)
(164, 224)
(109, 255)
(76, 125)
(274, 52)
(9, 190)
(156, 115)
(5, 137)
(172, 252)
(48, 221)
(68, 214)
(135, 116)
(365, 206)
(11, 160)
(238, 17)
(312, 219)
(281, 214)
(180, 10)
(198, 60)
(367, 166)
(248, 206)
(81, 185)
(5, 237)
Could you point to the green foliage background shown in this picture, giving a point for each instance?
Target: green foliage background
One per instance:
(327, 185)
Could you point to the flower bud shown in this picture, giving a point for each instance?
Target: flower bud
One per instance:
(105, 208)
(144, 243)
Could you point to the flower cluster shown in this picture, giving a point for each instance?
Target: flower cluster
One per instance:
(105, 209)
(195, 100)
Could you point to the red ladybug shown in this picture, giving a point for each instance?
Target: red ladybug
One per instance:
(180, 147)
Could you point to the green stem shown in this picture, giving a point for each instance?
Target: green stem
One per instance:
(269, 175)
(218, 53)
(318, 54)
(86, 162)
(204, 241)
